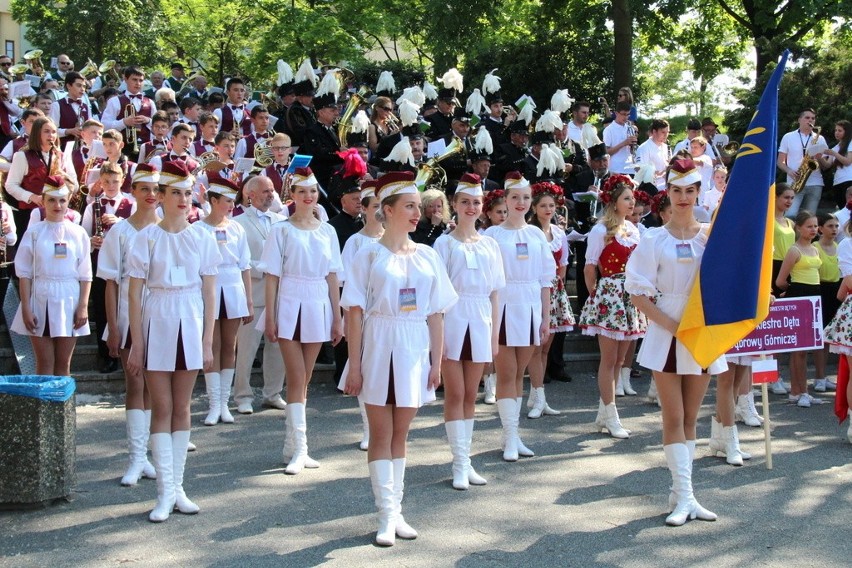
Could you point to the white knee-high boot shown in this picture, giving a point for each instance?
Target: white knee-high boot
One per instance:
(135, 446)
(180, 442)
(381, 478)
(161, 450)
(298, 424)
(365, 438)
(227, 376)
(403, 529)
(680, 465)
(523, 450)
(456, 435)
(509, 420)
(213, 383)
(148, 471)
(472, 477)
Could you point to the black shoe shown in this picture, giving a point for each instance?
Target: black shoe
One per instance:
(635, 373)
(110, 366)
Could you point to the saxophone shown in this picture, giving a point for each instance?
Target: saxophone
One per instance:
(808, 166)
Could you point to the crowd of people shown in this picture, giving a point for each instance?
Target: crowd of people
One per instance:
(429, 242)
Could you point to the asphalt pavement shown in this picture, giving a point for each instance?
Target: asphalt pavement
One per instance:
(584, 500)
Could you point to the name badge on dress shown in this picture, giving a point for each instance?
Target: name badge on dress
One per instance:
(470, 259)
(684, 252)
(407, 299)
(177, 276)
(60, 250)
(221, 236)
(522, 251)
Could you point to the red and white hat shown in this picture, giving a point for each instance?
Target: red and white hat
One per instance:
(470, 184)
(176, 174)
(224, 187)
(368, 188)
(304, 177)
(515, 180)
(146, 173)
(54, 186)
(683, 172)
(395, 183)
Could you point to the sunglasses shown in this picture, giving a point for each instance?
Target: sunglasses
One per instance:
(6, 64)
(389, 109)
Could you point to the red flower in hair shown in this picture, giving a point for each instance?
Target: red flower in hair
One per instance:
(549, 188)
(493, 196)
(611, 184)
(659, 202)
(641, 197)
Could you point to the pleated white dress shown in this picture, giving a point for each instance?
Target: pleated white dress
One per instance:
(476, 270)
(380, 283)
(113, 265)
(172, 265)
(654, 271)
(56, 273)
(302, 259)
(236, 257)
(529, 267)
(350, 249)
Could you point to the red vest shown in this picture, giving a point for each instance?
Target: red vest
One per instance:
(190, 161)
(614, 257)
(122, 210)
(36, 176)
(271, 171)
(227, 123)
(251, 142)
(19, 142)
(68, 118)
(147, 109)
(200, 147)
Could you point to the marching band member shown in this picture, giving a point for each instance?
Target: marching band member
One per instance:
(113, 268)
(182, 135)
(257, 222)
(233, 117)
(177, 264)
(91, 130)
(608, 312)
(55, 272)
(524, 319)
(619, 138)
(17, 144)
(209, 124)
(113, 146)
(159, 143)
(660, 271)
(259, 133)
(177, 77)
(130, 112)
(190, 110)
(301, 116)
(394, 295)
(301, 259)
(71, 112)
(475, 268)
(233, 297)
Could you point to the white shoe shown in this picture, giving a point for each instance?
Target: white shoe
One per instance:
(227, 380)
(625, 382)
(275, 402)
(365, 424)
(490, 389)
(161, 451)
(509, 420)
(137, 447)
(456, 434)
(680, 466)
(472, 477)
(732, 450)
(403, 529)
(823, 385)
(778, 387)
(715, 443)
(245, 407)
(381, 478)
(213, 383)
(180, 440)
(746, 412)
(531, 397)
(612, 423)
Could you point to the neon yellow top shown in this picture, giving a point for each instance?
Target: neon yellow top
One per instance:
(829, 270)
(783, 238)
(806, 269)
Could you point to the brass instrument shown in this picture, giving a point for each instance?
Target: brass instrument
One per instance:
(160, 151)
(392, 123)
(808, 166)
(97, 213)
(18, 71)
(263, 154)
(108, 68)
(186, 85)
(729, 150)
(268, 100)
(130, 112)
(605, 111)
(90, 71)
(77, 201)
(33, 59)
(431, 172)
(208, 161)
(355, 101)
(632, 160)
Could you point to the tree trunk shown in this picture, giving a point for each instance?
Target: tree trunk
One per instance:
(702, 95)
(622, 20)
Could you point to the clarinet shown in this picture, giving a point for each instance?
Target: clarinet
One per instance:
(97, 211)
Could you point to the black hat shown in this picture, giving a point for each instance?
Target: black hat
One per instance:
(325, 101)
(491, 98)
(356, 140)
(693, 124)
(519, 126)
(413, 132)
(461, 115)
(477, 156)
(349, 185)
(304, 88)
(597, 152)
(448, 95)
(286, 89)
(542, 137)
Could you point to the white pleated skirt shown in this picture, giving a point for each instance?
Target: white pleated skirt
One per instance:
(230, 288)
(171, 316)
(519, 313)
(470, 316)
(123, 315)
(54, 301)
(304, 301)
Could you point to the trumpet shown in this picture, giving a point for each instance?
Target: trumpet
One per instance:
(133, 132)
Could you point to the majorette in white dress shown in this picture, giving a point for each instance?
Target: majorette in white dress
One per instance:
(56, 256)
(476, 270)
(609, 311)
(397, 292)
(528, 265)
(230, 291)
(113, 265)
(350, 249)
(302, 259)
(172, 265)
(654, 271)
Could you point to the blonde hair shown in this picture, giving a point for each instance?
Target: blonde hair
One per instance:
(430, 196)
(610, 220)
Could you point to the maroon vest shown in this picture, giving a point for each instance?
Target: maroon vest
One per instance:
(19, 142)
(191, 163)
(271, 171)
(251, 142)
(194, 215)
(149, 147)
(196, 126)
(5, 122)
(123, 209)
(147, 109)
(34, 179)
(68, 118)
(127, 168)
(237, 211)
(199, 146)
(228, 121)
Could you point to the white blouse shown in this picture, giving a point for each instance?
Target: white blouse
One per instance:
(56, 251)
(627, 235)
(654, 266)
(474, 268)
(173, 260)
(233, 244)
(300, 253)
(530, 242)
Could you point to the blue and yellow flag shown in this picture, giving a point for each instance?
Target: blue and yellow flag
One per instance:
(730, 297)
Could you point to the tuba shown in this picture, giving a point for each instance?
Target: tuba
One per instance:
(431, 172)
(808, 166)
(108, 68)
(729, 150)
(344, 122)
(90, 70)
(33, 59)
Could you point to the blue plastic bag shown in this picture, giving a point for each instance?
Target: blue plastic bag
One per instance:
(43, 387)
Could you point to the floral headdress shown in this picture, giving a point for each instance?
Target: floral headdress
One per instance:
(551, 189)
(613, 183)
(641, 197)
(491, 197)
(660, 202)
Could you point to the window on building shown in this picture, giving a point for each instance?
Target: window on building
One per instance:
(10, 49)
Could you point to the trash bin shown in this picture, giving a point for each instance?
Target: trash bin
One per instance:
(37, 440)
